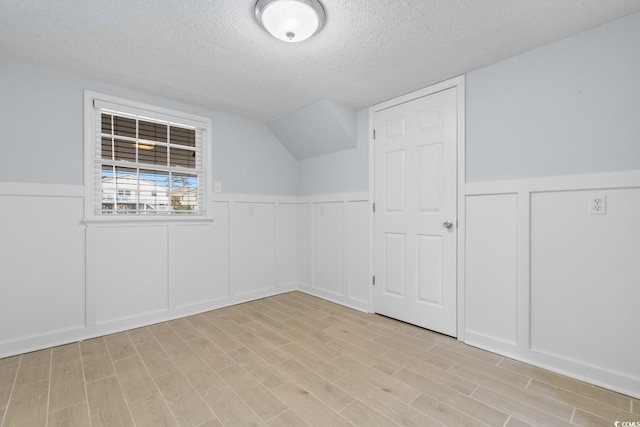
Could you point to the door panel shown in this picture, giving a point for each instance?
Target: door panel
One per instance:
(394, 256)
(429, 183)
(394, 171)
(415, 161)
(430, 269)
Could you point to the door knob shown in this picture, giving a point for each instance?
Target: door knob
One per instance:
(448, 225)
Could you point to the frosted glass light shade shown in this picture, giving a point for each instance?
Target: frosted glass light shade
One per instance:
(290, 20)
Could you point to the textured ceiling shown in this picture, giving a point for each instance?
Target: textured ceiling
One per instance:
(212, 52)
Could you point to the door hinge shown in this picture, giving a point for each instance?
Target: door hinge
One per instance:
(374, 207)
(374, 280)
(374, 134)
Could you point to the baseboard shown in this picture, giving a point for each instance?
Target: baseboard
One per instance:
(356, 305)
(589, 374)
(58, 338)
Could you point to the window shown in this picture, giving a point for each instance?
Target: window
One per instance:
(144, 161)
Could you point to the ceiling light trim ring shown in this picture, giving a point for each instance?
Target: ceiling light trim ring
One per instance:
(289, 35)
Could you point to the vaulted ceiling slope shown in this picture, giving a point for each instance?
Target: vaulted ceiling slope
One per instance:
(212, 53)
(320, 128)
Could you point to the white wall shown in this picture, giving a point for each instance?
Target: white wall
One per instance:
(42, 262)
(550, 284)
(334, 248)
(63, 281)
(544, 281)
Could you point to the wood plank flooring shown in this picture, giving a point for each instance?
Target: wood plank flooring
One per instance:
(291, 360)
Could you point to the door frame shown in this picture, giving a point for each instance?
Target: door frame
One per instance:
(459, 84)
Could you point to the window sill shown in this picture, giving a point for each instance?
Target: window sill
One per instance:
(163, 220)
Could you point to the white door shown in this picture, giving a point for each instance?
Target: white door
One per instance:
(415, 211)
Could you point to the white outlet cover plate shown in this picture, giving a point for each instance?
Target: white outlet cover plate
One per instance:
(597, 204)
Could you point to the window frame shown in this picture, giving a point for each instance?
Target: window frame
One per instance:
(153, 111)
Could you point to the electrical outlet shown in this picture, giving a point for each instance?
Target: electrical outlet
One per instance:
(598, 204)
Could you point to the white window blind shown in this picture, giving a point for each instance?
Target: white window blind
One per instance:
(146, 163)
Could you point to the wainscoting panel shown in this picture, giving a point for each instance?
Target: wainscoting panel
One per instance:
(131, 272)
(219, 265)
(334, 247)
(199, 271)
(252, 248)
(546, 282)
(286, 243)
(304, 244)
(358, 279)
(563, 280)
(328, 248)
(585, 278)
(41, 262)
(65, 280)
(491, 267)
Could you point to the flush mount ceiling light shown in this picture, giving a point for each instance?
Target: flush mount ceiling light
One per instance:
(290, 20)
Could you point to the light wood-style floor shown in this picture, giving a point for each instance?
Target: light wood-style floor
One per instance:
(290, 360)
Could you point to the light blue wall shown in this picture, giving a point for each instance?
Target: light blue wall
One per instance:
(340, 172)
(572, 107)
(41, 118)
(320, 128)
(249, 159)
(567, 108)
